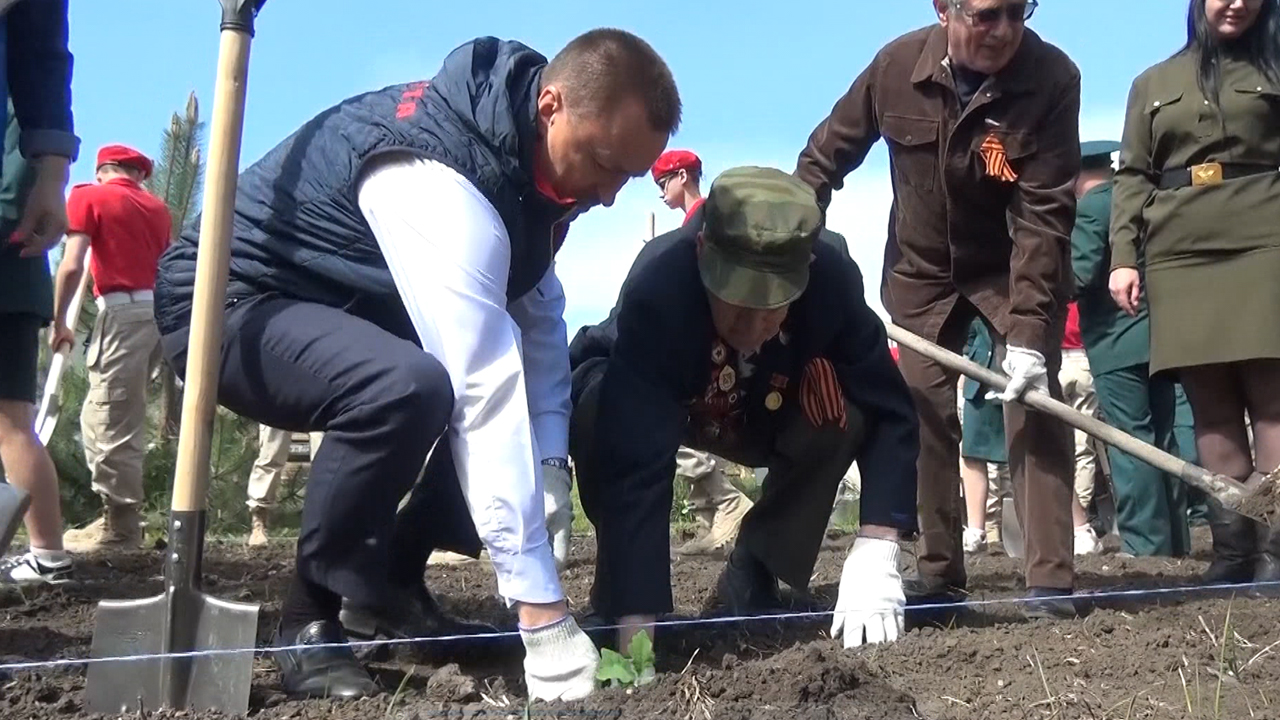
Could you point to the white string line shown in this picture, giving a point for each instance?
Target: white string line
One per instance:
(1085, 596)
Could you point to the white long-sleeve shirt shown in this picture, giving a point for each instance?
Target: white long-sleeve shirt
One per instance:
(449, 254)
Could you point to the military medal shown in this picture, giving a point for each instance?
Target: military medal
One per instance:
(718, 353)
(773, 400)
(726, 379)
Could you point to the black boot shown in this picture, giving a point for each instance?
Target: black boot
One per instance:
(746, 587)
(320, 672)
(1267, 569)
(1235, 547)
(408, 613)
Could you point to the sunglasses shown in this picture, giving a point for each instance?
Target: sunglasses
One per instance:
(1014, 13)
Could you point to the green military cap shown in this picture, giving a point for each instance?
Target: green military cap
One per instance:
(759, 228)
(1096, 154)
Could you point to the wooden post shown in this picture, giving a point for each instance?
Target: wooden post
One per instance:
(651, 226)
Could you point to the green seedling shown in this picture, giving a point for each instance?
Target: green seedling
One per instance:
(633, 671)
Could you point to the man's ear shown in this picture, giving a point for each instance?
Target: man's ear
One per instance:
(943, 8)
(550, 102)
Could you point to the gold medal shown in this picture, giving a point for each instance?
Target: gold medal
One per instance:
(773, 400)
(726, 379)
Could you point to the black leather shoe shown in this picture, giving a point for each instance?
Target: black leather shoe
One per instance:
(1050, 604)
(406, 614)
(929, 590)
(322, 672)
(933, 601)
(746, 587)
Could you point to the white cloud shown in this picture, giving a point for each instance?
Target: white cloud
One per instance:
(603, 243)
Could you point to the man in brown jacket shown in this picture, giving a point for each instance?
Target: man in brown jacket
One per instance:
(981, 117)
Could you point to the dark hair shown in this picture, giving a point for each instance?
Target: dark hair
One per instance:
(1260, 45)
(601, 67)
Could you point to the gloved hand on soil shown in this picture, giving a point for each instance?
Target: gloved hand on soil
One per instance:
(1025, 369)
(560, 661)
(556, 487)
(871, 600)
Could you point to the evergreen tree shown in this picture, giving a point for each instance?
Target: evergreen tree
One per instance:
(176, 179)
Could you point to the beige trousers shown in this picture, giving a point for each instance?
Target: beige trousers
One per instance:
(268, 468)
(708, 486)
(113, 422)
(1078, 392)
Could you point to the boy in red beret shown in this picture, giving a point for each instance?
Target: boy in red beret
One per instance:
(677, 173)
(127, 228)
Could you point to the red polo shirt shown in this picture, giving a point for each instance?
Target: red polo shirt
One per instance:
(128, 229)
(1071, 339)
(693, 209)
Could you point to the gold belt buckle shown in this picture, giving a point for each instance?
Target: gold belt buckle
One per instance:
(1206, 174)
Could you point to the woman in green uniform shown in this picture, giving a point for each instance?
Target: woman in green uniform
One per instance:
(1197, 193)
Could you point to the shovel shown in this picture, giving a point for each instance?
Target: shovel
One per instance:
(1258, 498)
(198, 650)
(51, 404)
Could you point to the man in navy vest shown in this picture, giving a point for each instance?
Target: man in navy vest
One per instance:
(393, 285)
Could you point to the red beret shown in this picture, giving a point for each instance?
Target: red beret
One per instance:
(674, 161)
(126, 156)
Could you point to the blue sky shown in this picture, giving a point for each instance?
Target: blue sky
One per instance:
(754, 81)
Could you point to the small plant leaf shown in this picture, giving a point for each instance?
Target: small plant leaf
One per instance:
(641, 651)
(614, 667)
(646, 676)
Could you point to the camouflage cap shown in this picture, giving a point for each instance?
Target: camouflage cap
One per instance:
(759, 228)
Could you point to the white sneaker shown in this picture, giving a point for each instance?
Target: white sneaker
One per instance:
(27, 569)
(975, 540)
(1087, 542)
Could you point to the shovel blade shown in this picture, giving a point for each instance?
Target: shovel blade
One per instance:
(47, 423)
(1011, 530)
(157, 625)
(1261, 498)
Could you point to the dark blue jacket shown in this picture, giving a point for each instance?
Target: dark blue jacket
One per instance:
(298, 231)
(656, 349)
(36, 76)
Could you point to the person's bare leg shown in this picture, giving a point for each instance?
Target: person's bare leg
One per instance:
(1217, 399)
(28, 466)
(974, 475)
(1261, 382)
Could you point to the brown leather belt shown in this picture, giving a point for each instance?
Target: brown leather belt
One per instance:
(1210, 174)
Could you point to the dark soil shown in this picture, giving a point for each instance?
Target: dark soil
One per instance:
(1131, 657)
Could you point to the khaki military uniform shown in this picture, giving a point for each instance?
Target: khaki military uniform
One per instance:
(1197, 193)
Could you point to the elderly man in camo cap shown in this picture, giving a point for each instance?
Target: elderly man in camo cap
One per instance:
(745, 333)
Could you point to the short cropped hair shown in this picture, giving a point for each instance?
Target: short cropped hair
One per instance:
(602, 67)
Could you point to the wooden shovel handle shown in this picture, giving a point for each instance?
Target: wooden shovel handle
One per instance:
(199, 400)
(1227, 490)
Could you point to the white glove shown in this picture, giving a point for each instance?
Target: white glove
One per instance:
(560, 661)
(556, 487)
(1025, 368)
(871, 597)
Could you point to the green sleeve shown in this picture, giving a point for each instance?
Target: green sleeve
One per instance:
(1089, 246)
(1134, 181)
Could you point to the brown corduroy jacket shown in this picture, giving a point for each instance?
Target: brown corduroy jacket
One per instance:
(984, 199)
